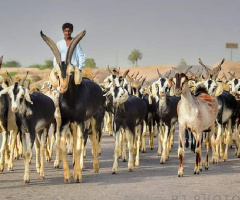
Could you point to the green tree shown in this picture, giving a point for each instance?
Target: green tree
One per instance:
(90, 63)
(48, 65)
(182, 62)
(135, 56)
(11, 63)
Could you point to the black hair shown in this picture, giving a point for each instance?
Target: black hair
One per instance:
(67, 25)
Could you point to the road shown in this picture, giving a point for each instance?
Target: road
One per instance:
(151, 180)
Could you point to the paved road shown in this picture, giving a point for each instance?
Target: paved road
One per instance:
(150, 181)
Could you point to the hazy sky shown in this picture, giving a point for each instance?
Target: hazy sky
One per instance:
(164, 31)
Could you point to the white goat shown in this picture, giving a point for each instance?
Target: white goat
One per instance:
(196, 113)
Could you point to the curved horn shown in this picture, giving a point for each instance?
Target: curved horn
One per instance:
(167, 74)
(53, 47)
(132, 74)
(186, 70)
(136, 75)
(22, 81)
(232, 74)
(1, 59)
(217, 69)
(73, 45)
(11, 79)
(209, 71)
(159, 74)
(125, 73)
(109, 69)
(175, 70)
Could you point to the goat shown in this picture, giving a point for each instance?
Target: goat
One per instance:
(34, 114)
(234, 84)
(79, 101)
(167, 115)
(53, 93)
(129, 112)
(7, 123)
(117, 79)
(196, 113)
(227, 108)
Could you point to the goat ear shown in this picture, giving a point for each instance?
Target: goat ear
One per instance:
(4, 91)
(53, 79)
(172, 91)
(219, 90)
(77, 76)
(27, 96)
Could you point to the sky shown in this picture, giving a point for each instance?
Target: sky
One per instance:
(163, 31)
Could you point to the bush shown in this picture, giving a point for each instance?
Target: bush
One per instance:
(34, 66)
(11, 63)
(43, 67)
(36, 78)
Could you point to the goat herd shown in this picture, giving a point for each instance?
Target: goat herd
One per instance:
(78, 108)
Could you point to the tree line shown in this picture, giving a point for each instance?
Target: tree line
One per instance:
(133, 58)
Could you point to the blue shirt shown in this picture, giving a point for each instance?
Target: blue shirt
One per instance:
(78, 57)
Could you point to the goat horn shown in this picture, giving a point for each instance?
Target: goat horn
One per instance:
(109, 69)
(28, 85)
(186, 70)
(159, 74)
(232, 75)
(11, 79)
(218, 68)
(125, 73)
(175, 70)
(136, 75)
(72, 46)
(1, 59)
(192, 74)
(167, 74)
(209, 71)
(53, 47)
(22, 81)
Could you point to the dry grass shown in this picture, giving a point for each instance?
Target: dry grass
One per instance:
(99, 74)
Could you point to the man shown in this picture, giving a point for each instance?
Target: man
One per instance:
(78, 57)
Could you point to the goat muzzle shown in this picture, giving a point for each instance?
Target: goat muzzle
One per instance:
(63, 89)
(14, 110)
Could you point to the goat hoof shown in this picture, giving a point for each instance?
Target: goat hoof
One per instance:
(56, 166)
(26, 181)
(114, 173)
(124, 160)
(151, 148)
(10, 169)
(67, 180)
(238, 155)
(130, 170)
(200, 170)
(206, 168)
(42, 177)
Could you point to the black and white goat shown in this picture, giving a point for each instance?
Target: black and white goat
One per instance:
(129, 113)
(227, 105)
(79, 100)
(7, 124)
(234, 84)
(167, 116)
(34, 114)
